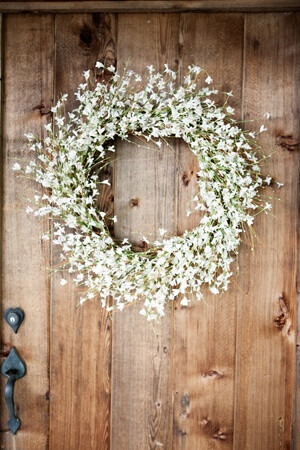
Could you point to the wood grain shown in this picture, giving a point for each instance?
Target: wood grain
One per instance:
(145, 201)
(266, 309)
(204, 333)
(135, 6)
(80, 336)
(210, 376)
(28, 80)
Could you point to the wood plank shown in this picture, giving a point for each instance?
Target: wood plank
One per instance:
(266, 309)
(144, 201)
(204, 334)
(114, 6)
(80, 336)
(296, 410)
(28, 81)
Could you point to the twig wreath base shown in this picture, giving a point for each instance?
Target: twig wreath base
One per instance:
(69, 160)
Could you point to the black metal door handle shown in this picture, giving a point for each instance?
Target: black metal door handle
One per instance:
(13, 368)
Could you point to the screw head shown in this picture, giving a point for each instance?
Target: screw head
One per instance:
(13, 318)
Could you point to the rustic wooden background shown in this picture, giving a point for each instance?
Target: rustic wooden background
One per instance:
(210, 376)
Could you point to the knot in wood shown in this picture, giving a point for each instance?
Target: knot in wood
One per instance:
(287, 142)
(134, 202)
(281, 319)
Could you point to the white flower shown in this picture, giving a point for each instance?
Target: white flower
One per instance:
(262, 129)
(214, 290)
(105, 182)
(86, 74)
(267, 115)
(279, 185)
(162, 231)
(72, 154)
(63, 282)
(29, 136)
(230, 110)
(268, 180)
(208, 80)
(48, 126)
(184, 301)
(16, 167)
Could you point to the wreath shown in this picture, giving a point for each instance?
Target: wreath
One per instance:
(78, 146)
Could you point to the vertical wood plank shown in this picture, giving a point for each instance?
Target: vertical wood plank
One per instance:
(28, 82)
(204, 334)
(266, 309)
(80, 336)
(144, 201)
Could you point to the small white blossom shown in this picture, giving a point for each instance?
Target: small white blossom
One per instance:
(268, 180)
(184, 301)
(29, 136)
(230, 110)
(162, 231)
(63, 282)
(262, 129)
(48, 126)
(16, 167)
(86, 74)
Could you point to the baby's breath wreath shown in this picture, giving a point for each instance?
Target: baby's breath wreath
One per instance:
(75, 150)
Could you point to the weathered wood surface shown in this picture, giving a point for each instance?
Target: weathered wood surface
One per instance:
(266, 319)
(204, 333)
(80, 336)
(27, 96)
(209, 376)
(134, 6)
(144, 202)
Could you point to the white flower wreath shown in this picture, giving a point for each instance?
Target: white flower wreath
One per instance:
(70, 158)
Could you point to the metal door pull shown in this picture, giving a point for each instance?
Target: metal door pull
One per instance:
(12, 368)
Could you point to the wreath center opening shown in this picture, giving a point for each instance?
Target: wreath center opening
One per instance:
(152, 184)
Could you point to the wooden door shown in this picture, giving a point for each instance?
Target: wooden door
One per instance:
(209, 376)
